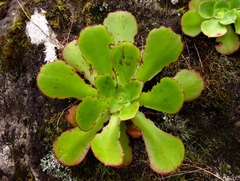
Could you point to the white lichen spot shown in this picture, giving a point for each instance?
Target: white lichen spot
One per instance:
(52, 167)
(39, 32)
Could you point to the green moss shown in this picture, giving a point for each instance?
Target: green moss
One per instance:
(53, 128)
(58, 16)
(15, 44)
(13, 47)
(225, 168)
(22, 171)
(106, 173)
(2, 4)
(3, 8)
(86, 10)
(94, 13)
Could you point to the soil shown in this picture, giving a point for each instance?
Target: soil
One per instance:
(30, 122)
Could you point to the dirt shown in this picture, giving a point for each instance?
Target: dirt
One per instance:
(208, 126)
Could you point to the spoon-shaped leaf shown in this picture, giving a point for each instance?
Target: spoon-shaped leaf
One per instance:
(115, 105)
(165, 152)
(167, 96)
(73, 56)
(193, 5)
(95, 44)
(71, 147)
(163, 47)
(237, 23)
(106, 146)
(59, 80)
(234, 4)
(228, 43)
(206, 8)
(88, 111)
(133, 130)
(222, 4)
(229, 17)
(134, 89)
(191, 23)
(121, 95)
(129, 111)
(129, 91)
(105, 85)
(122, 25)
(221, 7)
(191, 82)
(71, 116)
(212, 28)
(126, 57)
(127, 150)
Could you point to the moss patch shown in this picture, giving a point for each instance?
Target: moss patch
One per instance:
(14, 45)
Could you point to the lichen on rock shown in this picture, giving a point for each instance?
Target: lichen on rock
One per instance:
(39, 32)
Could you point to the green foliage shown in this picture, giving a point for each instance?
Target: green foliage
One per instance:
(215, 19)
(59, 15)
(106, 56)
(191, 82)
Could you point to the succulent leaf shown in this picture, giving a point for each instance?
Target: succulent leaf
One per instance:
(191, 23)
(105, 85)
(128, 111)
(167, 96)
(106, 145)
(122, 26)
(212, 28)
(158, 54)
(59, 80)
(229, 17)
(115, 105)
(124, 141)
(191, 82)
(221, 4)
(220, 8)
(206, 8)
(165, 152)
(95, 44)
(73, 56)
(193, 5)
(126, 57)
(133, 130)
(129, 91)
(237, 23)
(71, 116)
(121, 95)
(68, 147)
(234, 4)
(88, 111)
(228, 43)
(134, 89)
(71, 147)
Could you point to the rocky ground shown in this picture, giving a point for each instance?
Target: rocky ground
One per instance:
(29, 121)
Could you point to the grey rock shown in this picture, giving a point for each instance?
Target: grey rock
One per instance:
(7, 164)
(7, 22)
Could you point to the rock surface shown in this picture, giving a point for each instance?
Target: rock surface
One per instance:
(28, 119)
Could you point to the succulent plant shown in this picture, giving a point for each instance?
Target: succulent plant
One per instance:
(215, 18)
(107, 72)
